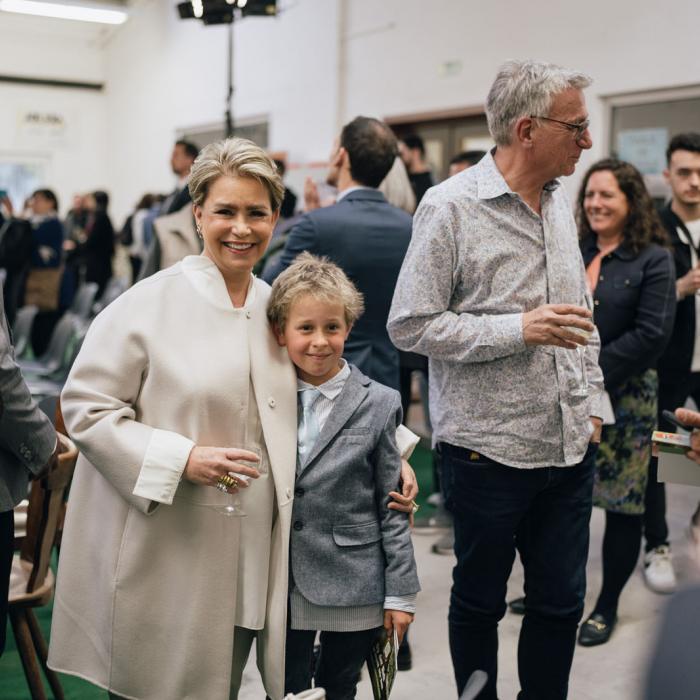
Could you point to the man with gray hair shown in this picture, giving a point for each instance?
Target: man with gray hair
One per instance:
(493, 291)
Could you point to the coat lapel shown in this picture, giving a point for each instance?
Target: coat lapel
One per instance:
(274, 385)
(352, 395)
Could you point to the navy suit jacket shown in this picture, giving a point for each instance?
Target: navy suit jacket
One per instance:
(367, 237)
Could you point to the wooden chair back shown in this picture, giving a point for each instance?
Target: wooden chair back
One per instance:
(44, 512)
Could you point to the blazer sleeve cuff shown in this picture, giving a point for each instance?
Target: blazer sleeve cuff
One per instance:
(166, 456)
(406, 441)
(404, 603)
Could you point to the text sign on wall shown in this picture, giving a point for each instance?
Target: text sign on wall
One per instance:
(644, 148)
(41, 128)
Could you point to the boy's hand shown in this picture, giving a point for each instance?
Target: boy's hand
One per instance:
(399, 619)
(409, 490)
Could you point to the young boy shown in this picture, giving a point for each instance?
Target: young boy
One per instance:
(352, 569)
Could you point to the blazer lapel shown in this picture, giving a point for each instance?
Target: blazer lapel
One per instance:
(352, 395)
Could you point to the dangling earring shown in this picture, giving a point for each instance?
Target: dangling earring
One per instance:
(199, 232)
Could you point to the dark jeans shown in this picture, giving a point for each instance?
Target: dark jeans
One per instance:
(7, 536)
(673, 392)
(549, 509)
(339, 665)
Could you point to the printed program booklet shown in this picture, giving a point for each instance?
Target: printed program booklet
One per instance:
(382, 663)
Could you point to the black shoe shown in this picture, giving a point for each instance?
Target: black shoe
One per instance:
(517, 606)
(403, 658)
(596, 630)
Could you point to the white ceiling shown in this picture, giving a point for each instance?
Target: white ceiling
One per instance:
(38, 28)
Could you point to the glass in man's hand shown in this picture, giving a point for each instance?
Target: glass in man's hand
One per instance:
(582, 387)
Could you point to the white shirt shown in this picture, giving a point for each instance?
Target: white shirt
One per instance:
(694, 231)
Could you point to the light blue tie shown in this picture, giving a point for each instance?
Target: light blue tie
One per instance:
(308, 431)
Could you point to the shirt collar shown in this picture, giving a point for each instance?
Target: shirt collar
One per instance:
(589, 248)
(345, 193)
(333, 386)
(490, 183)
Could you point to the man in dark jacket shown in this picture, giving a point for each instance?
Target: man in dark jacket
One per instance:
(364, 235)
(27, 445)
(679, 366)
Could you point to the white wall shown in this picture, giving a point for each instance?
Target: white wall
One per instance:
(395, 58)
(58, 50)
(165, 74)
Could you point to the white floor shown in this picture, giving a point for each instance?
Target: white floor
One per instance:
(613, 671)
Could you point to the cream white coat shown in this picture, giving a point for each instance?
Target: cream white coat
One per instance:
(145, 600)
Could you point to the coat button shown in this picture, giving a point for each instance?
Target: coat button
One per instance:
(298, 525)
(601, 278)
(298, 492)
(271, 402)
(247, 314)
(596, 302)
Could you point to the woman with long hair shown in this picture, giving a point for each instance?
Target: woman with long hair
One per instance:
(632, 280)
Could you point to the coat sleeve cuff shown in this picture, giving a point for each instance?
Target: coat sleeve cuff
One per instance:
(406, 441)
(166, 456)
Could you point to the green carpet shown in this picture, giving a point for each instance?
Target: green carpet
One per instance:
(13, 685)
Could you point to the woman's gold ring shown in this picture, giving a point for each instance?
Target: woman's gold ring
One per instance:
(226, 482)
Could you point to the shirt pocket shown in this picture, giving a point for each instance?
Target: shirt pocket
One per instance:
(357, 535)
(626, 288)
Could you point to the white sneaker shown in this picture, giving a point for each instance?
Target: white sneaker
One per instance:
(435, 499)
(658, 570)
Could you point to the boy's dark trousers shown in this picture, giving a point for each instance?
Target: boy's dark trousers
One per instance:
(339, 665)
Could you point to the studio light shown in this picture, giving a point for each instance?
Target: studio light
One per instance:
(81, 13)
(222, 11)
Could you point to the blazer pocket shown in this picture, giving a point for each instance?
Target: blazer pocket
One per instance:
(357, 535)
(353, 431)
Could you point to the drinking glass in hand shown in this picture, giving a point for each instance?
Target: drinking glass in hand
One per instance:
(230, 505)
(582, 388)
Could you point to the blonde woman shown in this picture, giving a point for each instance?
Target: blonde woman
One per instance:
(160, 596)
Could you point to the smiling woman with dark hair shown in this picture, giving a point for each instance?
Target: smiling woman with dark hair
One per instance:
(631, 275)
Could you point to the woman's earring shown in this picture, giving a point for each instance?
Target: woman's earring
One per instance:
(199, 232)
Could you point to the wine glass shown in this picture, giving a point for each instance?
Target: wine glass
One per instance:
(582, 388)
(229, 504)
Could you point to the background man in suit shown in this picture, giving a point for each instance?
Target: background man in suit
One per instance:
(679, 366)
(27, 445)
(364, 235)
(183, 155)
(174, 233)
(412, 150)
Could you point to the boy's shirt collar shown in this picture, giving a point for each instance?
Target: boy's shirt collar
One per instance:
(333, 386)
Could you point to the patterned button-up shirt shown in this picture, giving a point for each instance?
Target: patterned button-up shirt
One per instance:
(479, 258)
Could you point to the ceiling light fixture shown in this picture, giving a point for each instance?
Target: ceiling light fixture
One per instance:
(80, 13)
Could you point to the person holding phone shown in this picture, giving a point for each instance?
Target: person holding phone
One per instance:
(631, 275)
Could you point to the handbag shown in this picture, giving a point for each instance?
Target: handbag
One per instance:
(42, 287)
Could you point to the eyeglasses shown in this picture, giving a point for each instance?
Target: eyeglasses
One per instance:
(578, 129)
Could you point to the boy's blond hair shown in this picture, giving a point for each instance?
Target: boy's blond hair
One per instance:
(320, 278)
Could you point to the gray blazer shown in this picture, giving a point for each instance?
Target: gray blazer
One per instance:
(347, 547)
(27, 437)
